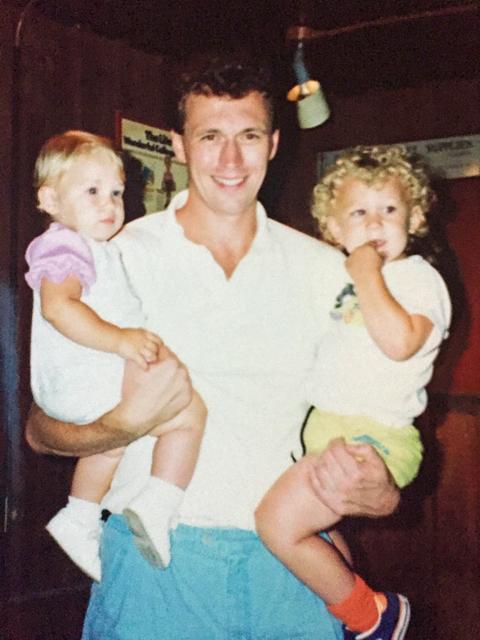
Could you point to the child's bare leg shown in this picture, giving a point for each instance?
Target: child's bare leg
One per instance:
(94, 474)
(76, 527)
(175, 454)
(288, 520)
(342, 546)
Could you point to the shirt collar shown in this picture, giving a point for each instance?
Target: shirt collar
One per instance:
(180, 199)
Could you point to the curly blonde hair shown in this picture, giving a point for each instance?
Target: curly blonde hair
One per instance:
(374, 164)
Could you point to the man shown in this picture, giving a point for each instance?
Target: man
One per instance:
(242, 301)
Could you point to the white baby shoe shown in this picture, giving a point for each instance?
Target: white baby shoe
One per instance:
(80, 541)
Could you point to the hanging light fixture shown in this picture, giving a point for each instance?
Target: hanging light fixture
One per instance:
(312, 108)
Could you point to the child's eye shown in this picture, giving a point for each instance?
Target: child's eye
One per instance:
(358, 213)
(390, 209)
(117, 193)
(92, 191)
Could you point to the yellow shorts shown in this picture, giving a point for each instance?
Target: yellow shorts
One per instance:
(400, 448)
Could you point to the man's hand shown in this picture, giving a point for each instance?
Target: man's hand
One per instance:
(148, 398)
(151, 397)
(353, 480)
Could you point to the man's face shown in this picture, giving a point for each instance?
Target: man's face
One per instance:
(226, 145)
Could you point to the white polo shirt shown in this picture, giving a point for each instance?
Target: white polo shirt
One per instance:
(249, 343)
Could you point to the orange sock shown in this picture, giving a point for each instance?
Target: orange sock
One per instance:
(361, 608)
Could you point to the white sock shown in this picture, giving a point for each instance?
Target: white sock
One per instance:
(169, 495)
(84, 511)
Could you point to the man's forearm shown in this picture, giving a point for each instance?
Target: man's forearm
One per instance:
(149, 398)
(47, 435)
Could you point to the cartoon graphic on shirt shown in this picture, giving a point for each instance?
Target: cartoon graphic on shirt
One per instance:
(346, 307)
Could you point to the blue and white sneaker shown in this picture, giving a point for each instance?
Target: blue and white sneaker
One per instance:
(393, 623)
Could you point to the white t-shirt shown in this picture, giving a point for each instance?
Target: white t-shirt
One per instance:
(249, 343)
(354, 377)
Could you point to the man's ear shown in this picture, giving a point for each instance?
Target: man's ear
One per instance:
(48, 200)
(415, 220)
(178, 148)
(275, 138)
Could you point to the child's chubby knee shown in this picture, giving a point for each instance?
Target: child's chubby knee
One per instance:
(200, 411)
(194, 416)
(262, 520)
(269, 516)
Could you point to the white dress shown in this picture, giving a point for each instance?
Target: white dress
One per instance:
(71, 382)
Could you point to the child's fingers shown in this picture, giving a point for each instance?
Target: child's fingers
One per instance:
(152, 337)
(149, 355)
(140, 359)
(150, 350)
(151, 347)
(141, 346)
(152, 344)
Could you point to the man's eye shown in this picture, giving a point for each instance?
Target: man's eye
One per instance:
(208, 137)
(251, 136)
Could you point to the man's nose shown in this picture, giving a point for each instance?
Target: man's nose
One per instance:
(231, 154)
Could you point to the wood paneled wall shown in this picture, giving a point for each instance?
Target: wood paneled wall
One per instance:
(430, 549)
(65, 77)
(58, 78)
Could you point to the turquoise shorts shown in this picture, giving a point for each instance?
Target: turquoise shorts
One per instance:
(222, 584)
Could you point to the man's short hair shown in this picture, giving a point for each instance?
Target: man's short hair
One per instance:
(232, 77)
(60, 151)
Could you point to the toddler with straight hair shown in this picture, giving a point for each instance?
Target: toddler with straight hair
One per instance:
(87, 331)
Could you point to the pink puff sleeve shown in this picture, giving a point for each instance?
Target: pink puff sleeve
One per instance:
(57, 254)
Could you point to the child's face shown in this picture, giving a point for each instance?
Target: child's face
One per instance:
(377, 213)
(88, 197)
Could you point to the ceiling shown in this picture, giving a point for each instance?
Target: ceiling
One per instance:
(349, 59)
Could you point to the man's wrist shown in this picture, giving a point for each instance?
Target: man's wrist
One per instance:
(118, 424)
(385, 504)
(390, 500)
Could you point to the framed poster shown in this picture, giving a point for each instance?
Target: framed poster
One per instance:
(449, 158)
(161, 174)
